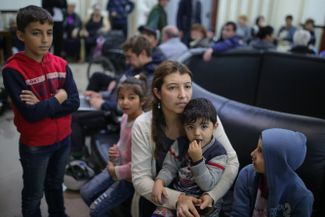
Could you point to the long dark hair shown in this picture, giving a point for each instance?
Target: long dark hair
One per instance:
(158, 119)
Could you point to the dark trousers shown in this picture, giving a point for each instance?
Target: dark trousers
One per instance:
(89, 49)
(120, 26)
(43, 171)
(71, 48)
(186, 37)
(58, 38)
(85, 123)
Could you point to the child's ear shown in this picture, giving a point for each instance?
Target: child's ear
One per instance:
(20, 35)
(215, 125)
(156, 93)
(142, 102)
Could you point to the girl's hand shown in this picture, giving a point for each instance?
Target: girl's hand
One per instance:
(113, 152)
(111, 170)
(158, 191)
(28, 97)
(195, 151)
(185, 206)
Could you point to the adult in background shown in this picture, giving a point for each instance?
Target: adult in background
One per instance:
(309, 26)
(264, 39)
(188, 13)
(152, 36)
(300, 42)
(229, 40)
(171, 45)
(154, 132)
(157, 18)
(71, 28)
(259, 22)
(243, 29)
(94, 26)
(199, 37)
(118, 11)
(287, 31)
(56, 9)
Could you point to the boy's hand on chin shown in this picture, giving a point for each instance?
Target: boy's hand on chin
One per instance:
(195, 151)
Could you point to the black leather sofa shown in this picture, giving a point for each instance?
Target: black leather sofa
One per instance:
(277, 81)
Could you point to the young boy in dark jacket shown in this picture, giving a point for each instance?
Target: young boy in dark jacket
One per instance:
(270, 187)
(44, 94)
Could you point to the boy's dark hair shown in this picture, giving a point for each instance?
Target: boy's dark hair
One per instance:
(289, 17)
(137, 44)
(199, 108)
(232, 24)
(31, 14)
(265, 31)
(310, 21)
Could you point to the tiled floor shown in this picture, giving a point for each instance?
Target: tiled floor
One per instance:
(10, 169)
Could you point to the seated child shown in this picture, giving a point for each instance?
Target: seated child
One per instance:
(269, 186)
(113, 185)
(196, 162)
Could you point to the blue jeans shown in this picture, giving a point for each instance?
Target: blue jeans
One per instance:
(43, 170)
(102, 193)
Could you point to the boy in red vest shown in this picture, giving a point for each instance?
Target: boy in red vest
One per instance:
(44, 95)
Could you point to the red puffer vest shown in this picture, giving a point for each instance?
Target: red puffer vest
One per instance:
(44, 79)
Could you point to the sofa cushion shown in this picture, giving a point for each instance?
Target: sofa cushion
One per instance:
(293, 84)
(278, 81)
(232, 75)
